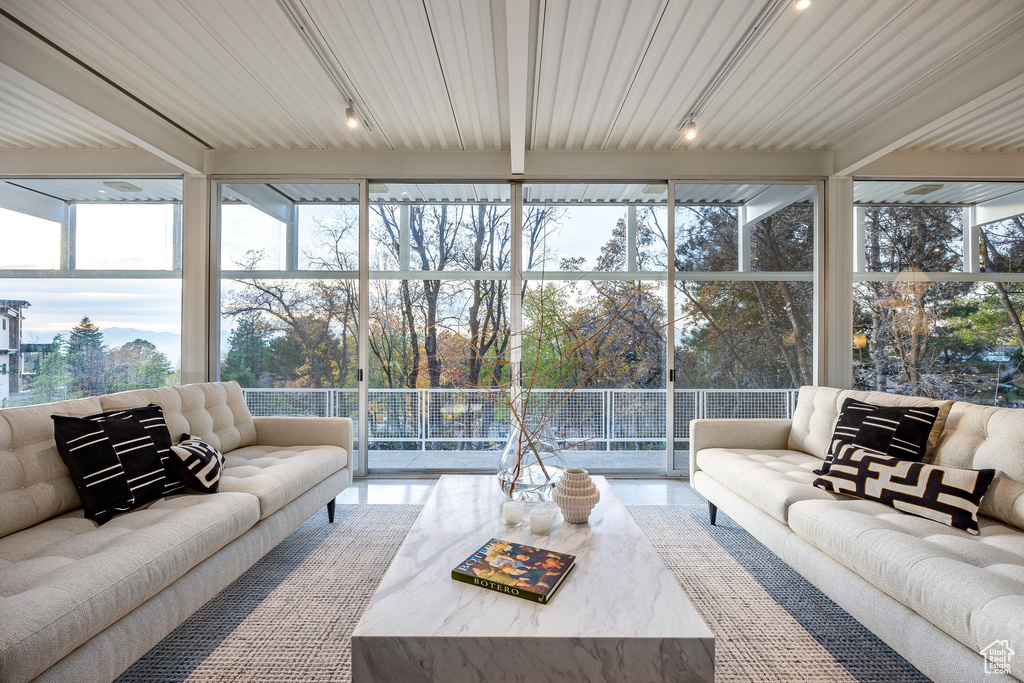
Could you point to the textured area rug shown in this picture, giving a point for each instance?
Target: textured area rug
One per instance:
(291, 616)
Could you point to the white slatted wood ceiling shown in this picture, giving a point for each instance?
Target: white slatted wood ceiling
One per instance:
(432, 74)
(30, 120)
(104, 190)
(996, 127)
(960, 193)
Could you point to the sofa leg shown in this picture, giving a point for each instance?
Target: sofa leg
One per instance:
(712, 512)
(330, 511)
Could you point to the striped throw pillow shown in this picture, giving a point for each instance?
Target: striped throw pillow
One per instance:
(898, 431)
(113, 464)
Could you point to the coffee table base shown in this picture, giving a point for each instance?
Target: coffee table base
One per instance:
(532, 660)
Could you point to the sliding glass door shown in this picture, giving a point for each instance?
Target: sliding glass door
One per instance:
(439, 325)
(289, 297)
(743, 303)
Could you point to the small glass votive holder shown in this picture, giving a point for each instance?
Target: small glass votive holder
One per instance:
(512, 513)
(540, 521)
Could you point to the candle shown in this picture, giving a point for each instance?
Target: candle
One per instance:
(540, 520)
(512, 513)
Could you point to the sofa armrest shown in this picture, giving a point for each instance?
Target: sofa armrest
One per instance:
(767, 434)
(304, 431)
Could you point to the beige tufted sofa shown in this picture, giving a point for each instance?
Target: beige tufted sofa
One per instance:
(936, 595)
(81, 602)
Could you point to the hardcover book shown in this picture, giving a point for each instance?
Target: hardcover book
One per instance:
(521, 570)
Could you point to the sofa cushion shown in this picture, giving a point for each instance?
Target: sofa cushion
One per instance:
(215, 411)
(971, 587)
(770, 479)
(277, 475)
(948, 495)
(34, 483)
(985, 437)
(67, 579)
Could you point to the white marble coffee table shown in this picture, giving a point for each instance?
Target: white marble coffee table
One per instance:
(620, 616)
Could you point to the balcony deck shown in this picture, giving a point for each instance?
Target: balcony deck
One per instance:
(444, 430)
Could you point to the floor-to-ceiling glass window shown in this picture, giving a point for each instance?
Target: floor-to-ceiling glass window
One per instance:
(439, 325)
(939, 290)
(90, 287)
(289, 296)
(743, 302)
(594, 319)
(572, 281)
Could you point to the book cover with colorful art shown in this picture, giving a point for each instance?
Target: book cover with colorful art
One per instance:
(515, 569)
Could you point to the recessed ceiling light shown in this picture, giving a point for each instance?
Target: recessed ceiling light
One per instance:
(102, 191)
(122, 186)
(802, 4)
(923, 189)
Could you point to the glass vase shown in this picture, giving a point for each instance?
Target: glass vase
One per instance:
(532, 461)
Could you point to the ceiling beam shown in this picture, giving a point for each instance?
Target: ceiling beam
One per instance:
(40, 67)
(262, 198)
(999, 208)
(946, 166)
(544, 165)
(775, 199)
(84, 162)
(973, 84)
(517, 27)
(31, 203)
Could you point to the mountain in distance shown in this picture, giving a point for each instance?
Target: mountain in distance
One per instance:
(167, 343)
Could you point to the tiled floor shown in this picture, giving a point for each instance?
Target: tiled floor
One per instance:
(415, 491)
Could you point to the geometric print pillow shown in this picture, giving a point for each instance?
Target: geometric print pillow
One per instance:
(944, 494)
(902, 432)
(201, 463)
(113, 464)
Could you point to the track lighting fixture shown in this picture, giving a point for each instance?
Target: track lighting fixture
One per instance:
(350, 115)
(690, 130)
(802, 4)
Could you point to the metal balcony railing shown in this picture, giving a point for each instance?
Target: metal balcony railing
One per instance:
(472, 419)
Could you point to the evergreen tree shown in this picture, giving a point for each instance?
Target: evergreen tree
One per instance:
(248, 347)
(85, 362)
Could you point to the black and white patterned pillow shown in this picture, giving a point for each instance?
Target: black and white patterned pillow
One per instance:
(113, 463)
(202, 463)
(945, 494)
(898, 431)
(152, 418)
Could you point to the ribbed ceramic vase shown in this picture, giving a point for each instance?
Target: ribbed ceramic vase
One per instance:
(576, 495)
